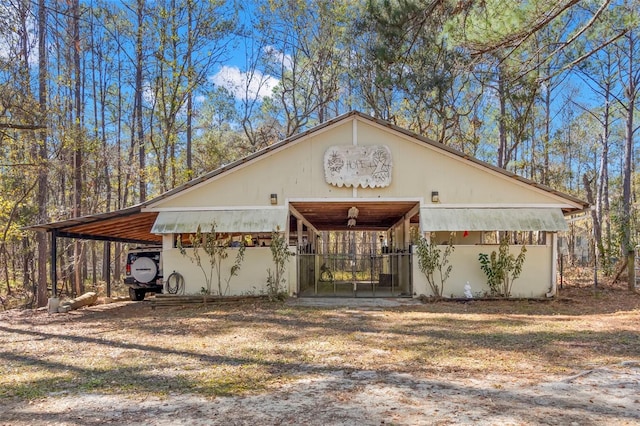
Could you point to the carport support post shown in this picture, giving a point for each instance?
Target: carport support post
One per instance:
(53, 301)
(108, 266)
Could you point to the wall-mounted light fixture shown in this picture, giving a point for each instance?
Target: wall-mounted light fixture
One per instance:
(274, 198)
(435, 197)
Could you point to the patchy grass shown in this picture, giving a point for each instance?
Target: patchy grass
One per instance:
(129, 349)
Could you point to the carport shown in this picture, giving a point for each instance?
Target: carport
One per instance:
(130, 225)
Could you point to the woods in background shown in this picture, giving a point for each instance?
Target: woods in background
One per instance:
(106, 104)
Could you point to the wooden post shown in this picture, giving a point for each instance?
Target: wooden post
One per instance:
(561, 271)
(54, 263)
(53, 302)
(108, 266)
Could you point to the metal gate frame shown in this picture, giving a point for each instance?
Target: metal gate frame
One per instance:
(348, 275)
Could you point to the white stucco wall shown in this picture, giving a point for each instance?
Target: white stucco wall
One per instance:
(251, 279)
(535, 280)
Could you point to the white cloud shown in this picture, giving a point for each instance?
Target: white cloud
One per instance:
(244, 85)
(148, 94)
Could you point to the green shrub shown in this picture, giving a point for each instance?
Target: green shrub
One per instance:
(432, 258)
(502, 268)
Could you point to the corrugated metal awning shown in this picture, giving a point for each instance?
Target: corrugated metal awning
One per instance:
(237, 220)
(492, 219)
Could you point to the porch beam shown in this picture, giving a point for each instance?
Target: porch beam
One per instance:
(414, 211)
(88, 237)
(299, 216)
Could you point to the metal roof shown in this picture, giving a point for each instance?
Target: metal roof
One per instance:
(492, 219)
(238, 220)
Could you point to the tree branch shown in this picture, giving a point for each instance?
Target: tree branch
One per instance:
(17, 126)
(512, 39)
(583, 57)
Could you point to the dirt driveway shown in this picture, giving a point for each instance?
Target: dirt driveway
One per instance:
(574, 360)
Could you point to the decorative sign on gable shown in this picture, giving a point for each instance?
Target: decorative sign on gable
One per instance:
(351, 165)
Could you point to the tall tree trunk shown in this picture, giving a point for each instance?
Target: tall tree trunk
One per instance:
(107, 182)
(138, 129)
(627, 244)
(547, 132)
(604, 183)
(502, 127)
(190, 85)
(77, 153)
(604, 158)
(602, 203)
(41, 197)
(597, 229)
(121, 199)
(631, 93)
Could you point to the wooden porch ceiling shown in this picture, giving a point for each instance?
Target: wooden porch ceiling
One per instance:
(372, 216)
(127, 229)
(128, 225)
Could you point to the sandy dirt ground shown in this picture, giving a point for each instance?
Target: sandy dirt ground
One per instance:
(604, 396)
(321, 395)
